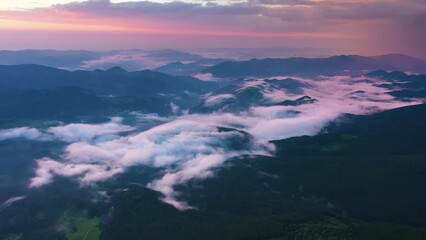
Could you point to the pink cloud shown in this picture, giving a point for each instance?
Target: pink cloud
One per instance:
(355, 26)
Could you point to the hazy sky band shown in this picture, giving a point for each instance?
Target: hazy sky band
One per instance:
(30, 4)
(355, 26)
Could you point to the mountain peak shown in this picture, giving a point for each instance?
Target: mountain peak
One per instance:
(116, 69)
(394, 75)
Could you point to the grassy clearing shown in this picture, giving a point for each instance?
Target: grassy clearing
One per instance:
(80, 227)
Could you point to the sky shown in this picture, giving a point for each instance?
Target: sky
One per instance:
(367, 27)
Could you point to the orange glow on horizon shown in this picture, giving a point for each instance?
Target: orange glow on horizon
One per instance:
(23, 25)
(48, 26)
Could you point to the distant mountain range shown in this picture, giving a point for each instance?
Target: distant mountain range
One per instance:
(74, 103)
(39, 92)
(336, 65)
(190, 68)
(402, 85)
(52, 58)
(114, 81)
(186, 63)
(132, 60)
(45, 90)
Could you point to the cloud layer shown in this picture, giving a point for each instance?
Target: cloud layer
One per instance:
(70, 132)
(183, 149)
(191, 147)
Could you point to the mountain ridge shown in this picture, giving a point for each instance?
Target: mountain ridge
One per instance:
(335, 65)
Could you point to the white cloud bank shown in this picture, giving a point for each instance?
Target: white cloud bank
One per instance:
(208, 77)
(70, 132)
(184, 149)
(9, 202)
(191, 147)
(23, 132)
